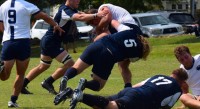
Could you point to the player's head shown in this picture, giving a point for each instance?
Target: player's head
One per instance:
(73, 3)
(183, 55)
(93, 22)
(180, 75)
(146, 47)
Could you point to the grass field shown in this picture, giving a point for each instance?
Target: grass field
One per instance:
(160, 61)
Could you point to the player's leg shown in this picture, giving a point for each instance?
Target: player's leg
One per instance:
(96, 84)
(76, 69)
(125, 72)
(21, 67)
(8, 65)
(7, 57)
(94, 101)
(67, 61)
(22, 51)
(44, 64)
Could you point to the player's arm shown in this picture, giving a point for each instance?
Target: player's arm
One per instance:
(80, 16)
(49, 20)
(105, 33)
(141, 83)
(118, 26)
(105, 20)
(185, 87)
(1, 27)
(1, 21)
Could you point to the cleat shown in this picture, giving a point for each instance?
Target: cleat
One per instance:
(63, 84)
(78, 93)
(1, 66)
(12, 104)
(63, 95)
(48, 87)
(25, 91)
(77, 96)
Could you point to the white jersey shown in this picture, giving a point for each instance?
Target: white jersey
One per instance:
(194, 76)
(119, 14)
(15, 15)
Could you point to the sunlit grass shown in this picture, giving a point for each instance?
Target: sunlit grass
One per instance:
(160, 61)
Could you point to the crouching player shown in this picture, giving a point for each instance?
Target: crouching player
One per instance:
(157, 92)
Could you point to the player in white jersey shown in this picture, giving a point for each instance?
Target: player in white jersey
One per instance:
(113, 12)
(191, 64)
(15, 24)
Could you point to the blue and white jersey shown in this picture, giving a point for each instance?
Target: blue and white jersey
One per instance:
(119, 14)
(193, 80)
(160, 90)
(64, 18)
(17, 26)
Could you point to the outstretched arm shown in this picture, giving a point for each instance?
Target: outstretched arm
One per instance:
(49, 20)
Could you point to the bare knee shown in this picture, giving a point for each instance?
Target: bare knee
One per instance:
(4, 76)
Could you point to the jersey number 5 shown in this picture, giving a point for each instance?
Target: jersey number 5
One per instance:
(130, 43)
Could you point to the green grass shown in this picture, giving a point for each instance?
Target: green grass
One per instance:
(160, 61)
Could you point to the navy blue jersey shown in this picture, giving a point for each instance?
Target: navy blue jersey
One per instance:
(123, 45)
(63, 18)
(161, 90)
(158, 91)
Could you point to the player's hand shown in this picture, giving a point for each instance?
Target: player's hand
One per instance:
(101, 14)
(57, 28)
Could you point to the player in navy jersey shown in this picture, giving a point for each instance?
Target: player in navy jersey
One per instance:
(157, 92)
(122, 16)
(51, 45)
(104, 53)
(15, 24)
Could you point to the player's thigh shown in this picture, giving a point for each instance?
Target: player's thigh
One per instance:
(22, 66)
(124, 64)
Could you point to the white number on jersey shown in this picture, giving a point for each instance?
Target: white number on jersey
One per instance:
(130, 43)
(161, 80)
(12, 16)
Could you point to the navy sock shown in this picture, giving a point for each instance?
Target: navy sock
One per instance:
(127, 85)
(93, 85)
(70, 73)
(13, 98)
(94, 100)
(26, 82)
(50, 80)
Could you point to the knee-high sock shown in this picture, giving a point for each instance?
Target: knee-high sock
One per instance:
(93, 85)
(94, 100)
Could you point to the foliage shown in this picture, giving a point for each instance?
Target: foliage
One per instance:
(131, 5)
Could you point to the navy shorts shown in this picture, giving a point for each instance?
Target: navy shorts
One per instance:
(51, 47)
(134, 98)
(129, 98)
(101, 59)
(19, 49)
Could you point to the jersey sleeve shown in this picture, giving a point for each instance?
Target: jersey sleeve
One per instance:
(67, 14)
(171, 100)
(32, 9)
